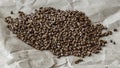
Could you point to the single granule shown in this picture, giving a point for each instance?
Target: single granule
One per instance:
(114, 43)
(11, 12)
(78, 61)
(61, 32)
(115, 30)
(111, 41)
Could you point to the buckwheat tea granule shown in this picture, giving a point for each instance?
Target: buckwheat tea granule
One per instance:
(78, 61)
(115, 30)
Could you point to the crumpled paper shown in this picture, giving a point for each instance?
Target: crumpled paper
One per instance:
(16, 54)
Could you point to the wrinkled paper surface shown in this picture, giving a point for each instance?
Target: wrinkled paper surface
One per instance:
(16, 54)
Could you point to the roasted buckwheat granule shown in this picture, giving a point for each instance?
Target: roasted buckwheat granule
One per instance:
(115, 30)
(11, 12)
(78, 61)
